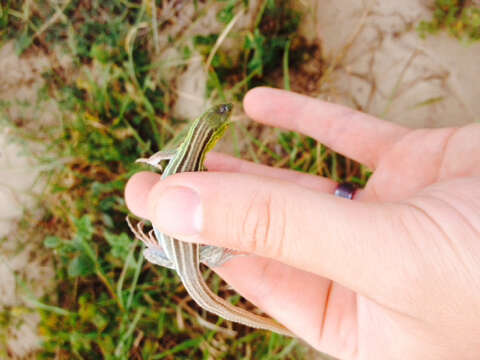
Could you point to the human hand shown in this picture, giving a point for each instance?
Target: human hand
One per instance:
(393, 274)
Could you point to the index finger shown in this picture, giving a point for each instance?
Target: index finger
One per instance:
(354, 134)
(339, 239)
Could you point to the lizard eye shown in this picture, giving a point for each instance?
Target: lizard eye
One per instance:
(224, 108)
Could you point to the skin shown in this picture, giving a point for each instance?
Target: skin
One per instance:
(393, 274)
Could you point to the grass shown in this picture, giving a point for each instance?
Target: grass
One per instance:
(115, 103)
(461, 18)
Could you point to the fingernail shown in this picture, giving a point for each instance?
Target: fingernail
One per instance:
(178, 211)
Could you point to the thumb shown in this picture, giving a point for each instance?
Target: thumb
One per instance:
(346, 241)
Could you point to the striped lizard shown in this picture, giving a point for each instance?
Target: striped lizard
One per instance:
(185, 257)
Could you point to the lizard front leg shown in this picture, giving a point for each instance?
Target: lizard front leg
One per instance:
(156, 158)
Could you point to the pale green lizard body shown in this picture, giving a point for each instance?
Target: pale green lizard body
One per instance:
(185, 257)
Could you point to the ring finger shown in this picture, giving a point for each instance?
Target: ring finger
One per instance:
(225, 163)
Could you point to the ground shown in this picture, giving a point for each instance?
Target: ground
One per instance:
(378, 63)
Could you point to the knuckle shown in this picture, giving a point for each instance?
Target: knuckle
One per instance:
(263, 225)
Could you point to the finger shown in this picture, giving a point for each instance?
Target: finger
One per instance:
(138, 187)
(222, 162)
(226, 163)
(354, 134)
(323, 312)
(340, 239)
(136, 192)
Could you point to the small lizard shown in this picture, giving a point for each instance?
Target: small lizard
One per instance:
(185, 257)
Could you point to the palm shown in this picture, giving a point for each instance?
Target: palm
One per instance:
(413, 173)
(421, 158)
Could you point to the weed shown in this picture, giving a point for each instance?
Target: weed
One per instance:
(460, 20)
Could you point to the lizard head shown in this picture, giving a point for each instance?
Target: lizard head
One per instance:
(218, 119)
(218, 116)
